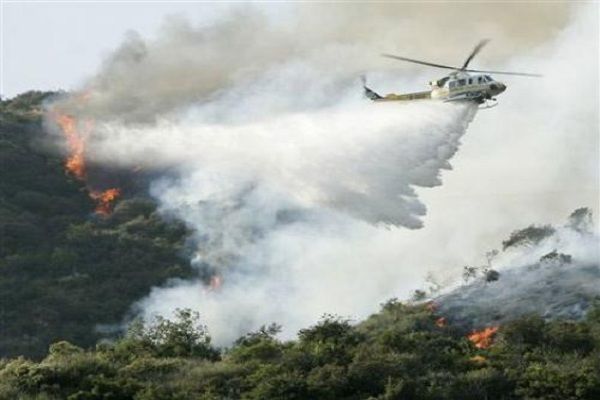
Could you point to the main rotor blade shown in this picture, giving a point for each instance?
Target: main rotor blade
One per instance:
(418, 61)
(506, 73)
(475, 51)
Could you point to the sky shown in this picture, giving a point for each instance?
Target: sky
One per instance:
(50, 45)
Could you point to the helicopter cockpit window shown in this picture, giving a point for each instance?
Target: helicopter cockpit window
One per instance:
(462, 82)
(479, 79)
(488, 78)
(452, 84)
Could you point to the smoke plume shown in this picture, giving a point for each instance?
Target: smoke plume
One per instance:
(297, 55)
(275, 204)
(298, 192)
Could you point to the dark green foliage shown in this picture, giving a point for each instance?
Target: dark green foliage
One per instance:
(66, 274)
(528, 236)
(398, 353)
(258, 346)
(569, 378)
(581, 220)
(419, 295)
(183, 338)
(555, 257)
(331, 341)
(491, 275)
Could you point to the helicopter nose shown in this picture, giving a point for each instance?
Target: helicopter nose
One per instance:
(498, 87)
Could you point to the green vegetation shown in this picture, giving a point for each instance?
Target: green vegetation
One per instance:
(529, 236)
(64, 272)
(398, 353)
(69, 277)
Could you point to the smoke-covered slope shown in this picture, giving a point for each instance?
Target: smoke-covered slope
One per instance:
(553, 272)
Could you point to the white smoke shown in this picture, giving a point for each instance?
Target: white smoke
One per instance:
(295, 188)
(284, 208)
(554, 275)
(284, 49)
(362, 159)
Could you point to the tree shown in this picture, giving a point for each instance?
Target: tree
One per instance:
(529, 236)
(581, 220)
(259, 346)
(182, 337)
(331, 340)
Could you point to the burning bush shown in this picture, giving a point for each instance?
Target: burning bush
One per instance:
(76, 133)
(483, 339)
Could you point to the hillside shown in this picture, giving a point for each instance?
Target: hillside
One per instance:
(70, 273)
(65, 272)
(402, 352)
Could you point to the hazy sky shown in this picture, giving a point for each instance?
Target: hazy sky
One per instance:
(50, 45)
(55, 44)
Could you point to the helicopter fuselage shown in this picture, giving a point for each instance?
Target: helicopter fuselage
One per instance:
(459, 86)
(464, 86)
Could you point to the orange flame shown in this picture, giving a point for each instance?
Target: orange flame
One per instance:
(105, 200)
(484, 338)
(75, 163)
(75, 134)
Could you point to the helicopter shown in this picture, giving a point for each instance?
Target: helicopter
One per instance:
(462, 84)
